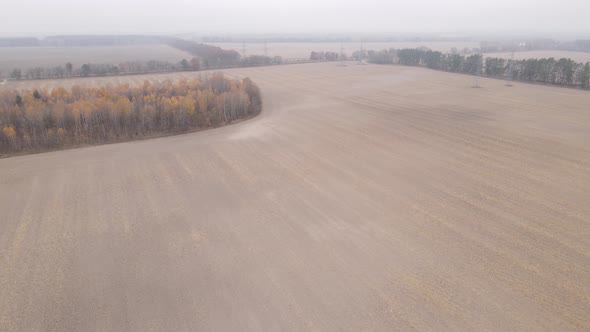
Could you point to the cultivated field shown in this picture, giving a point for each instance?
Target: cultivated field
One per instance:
(30, 57)
(576, 56)
(362, 198)
(302, 50)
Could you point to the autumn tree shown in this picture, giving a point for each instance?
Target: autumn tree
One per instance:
(9, 135)
(184, 64)
(42, 119)
(69, 68)
(195, 64)
(85, 69)
(16, 74)
(584, 75)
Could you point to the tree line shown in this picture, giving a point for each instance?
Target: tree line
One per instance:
(41, 119)
(211, 56)
(104, 69)
(260, 60)
(564, 71)
(204, 57)
(131, 67)
(324, 56)
(580, 45)
(548, 71)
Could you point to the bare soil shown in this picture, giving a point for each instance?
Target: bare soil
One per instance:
(362, 198)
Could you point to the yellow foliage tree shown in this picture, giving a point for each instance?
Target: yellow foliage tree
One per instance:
(41, 119)
(9, 132)
(123, 105)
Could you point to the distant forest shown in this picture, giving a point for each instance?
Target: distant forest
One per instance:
(204, 57)
(104, 69)
(319, 38)
(42, 120)
(133, 67)
(563, 72)
(581, 45)
(210, 55)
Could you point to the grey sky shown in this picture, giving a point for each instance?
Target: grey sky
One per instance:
(43, 17)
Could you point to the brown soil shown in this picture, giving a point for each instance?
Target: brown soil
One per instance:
(362, 198)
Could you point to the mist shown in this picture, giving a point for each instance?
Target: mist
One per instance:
(455, 17)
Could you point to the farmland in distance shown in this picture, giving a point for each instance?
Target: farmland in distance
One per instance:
(29, 57)
(302, 50)
(582, 57)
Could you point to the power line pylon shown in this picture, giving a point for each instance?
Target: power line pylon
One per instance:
(477, 71)
(510, 74)
(361, 54)
(341, 53)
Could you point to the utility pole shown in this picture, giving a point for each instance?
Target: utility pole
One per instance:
(477, 73)
(510, 69)
(341, 53)
(361, 54)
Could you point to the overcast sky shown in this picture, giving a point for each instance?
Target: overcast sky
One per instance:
(46, 17)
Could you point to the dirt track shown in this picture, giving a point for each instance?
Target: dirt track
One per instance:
(364, 197)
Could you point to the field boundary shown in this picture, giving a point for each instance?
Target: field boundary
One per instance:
(485, 76)
(139, 139)
(285, 62)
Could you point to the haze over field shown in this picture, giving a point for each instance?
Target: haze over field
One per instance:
(30, 57)
(576, 56)
(303, 49)
(312, 165)
(281, 16)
